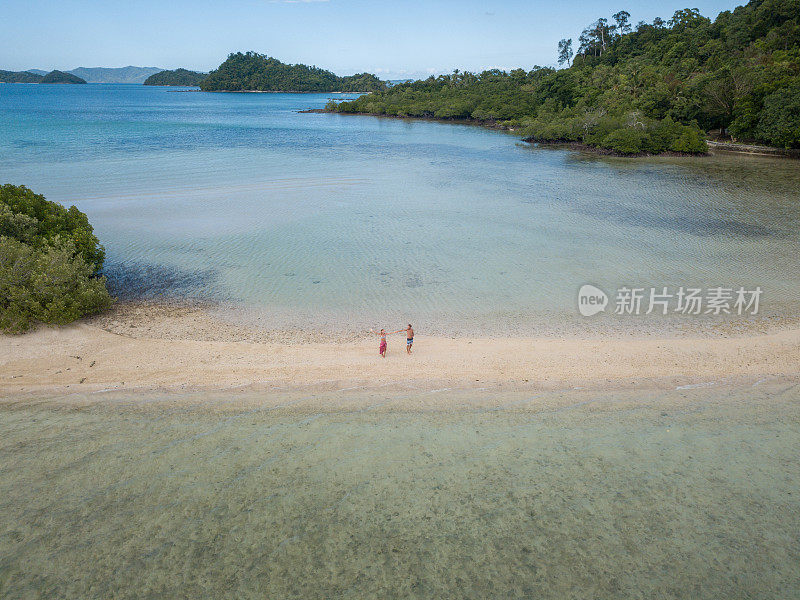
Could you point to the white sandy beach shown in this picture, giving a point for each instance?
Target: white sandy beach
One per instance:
(188, 349)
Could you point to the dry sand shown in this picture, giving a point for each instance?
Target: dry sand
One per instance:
(180, 348)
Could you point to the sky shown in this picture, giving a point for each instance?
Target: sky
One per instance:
(395, 40)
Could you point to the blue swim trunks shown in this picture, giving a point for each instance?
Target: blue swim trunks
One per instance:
(409, 341)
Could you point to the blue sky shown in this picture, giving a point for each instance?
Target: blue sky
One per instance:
(392, 39)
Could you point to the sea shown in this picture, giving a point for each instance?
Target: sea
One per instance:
(286, 218)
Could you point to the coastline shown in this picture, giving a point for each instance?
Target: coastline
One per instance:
(278, 92)
(754, 149)
(713, 146)
(181, 349)
(581, 147)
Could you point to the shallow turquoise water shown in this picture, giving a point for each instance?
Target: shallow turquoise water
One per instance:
(239, 198)
(688, 494)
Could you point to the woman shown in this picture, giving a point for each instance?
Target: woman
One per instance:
(382, 347)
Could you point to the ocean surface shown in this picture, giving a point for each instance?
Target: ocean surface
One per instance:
(290, 218)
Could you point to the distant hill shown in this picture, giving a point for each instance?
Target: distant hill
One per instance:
(37, 71)
(19, 77)
(61, 77)
(257, 72)
(115, 75)
(182, 77)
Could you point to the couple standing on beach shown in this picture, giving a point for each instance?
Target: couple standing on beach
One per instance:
(409, 339)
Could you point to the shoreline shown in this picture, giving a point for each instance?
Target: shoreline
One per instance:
(212, 320)
(275, 92)
(582, 147)
(754, 149)
(713, 146)
(184, 349)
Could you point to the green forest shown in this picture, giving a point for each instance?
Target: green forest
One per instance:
(182, 77)
(19, 77)
(61, 77)
(251, 71)
(645, 88)
(50, 262)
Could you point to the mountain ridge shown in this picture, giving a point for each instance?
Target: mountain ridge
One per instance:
(129, 74)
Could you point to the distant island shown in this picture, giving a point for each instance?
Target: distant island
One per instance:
(241, 72)
(253, 72)
(29, 77)
(61, 77)
(86, 74)
(19, 77)
(181, 77)
(653, 88)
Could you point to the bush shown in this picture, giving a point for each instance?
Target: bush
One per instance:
(33, 220)
(551, 129)
(49, 259)
(459, 110)
(691, 141)
(598, 132)
(626, 141)
(663, 134)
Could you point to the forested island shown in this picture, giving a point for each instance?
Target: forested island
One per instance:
(28, 77)
(250, 71)
(649, 88)
(179, 77)
(61, 77)
(19, 77)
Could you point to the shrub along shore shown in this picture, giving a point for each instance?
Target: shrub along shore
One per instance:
(50, 262)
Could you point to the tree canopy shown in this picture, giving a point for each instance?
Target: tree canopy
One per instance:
(652, 87)
(19, 77)
(61, 77)
(49, 262)
(182, 77)
(251, 71)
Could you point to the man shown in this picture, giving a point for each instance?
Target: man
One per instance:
(409, 338)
